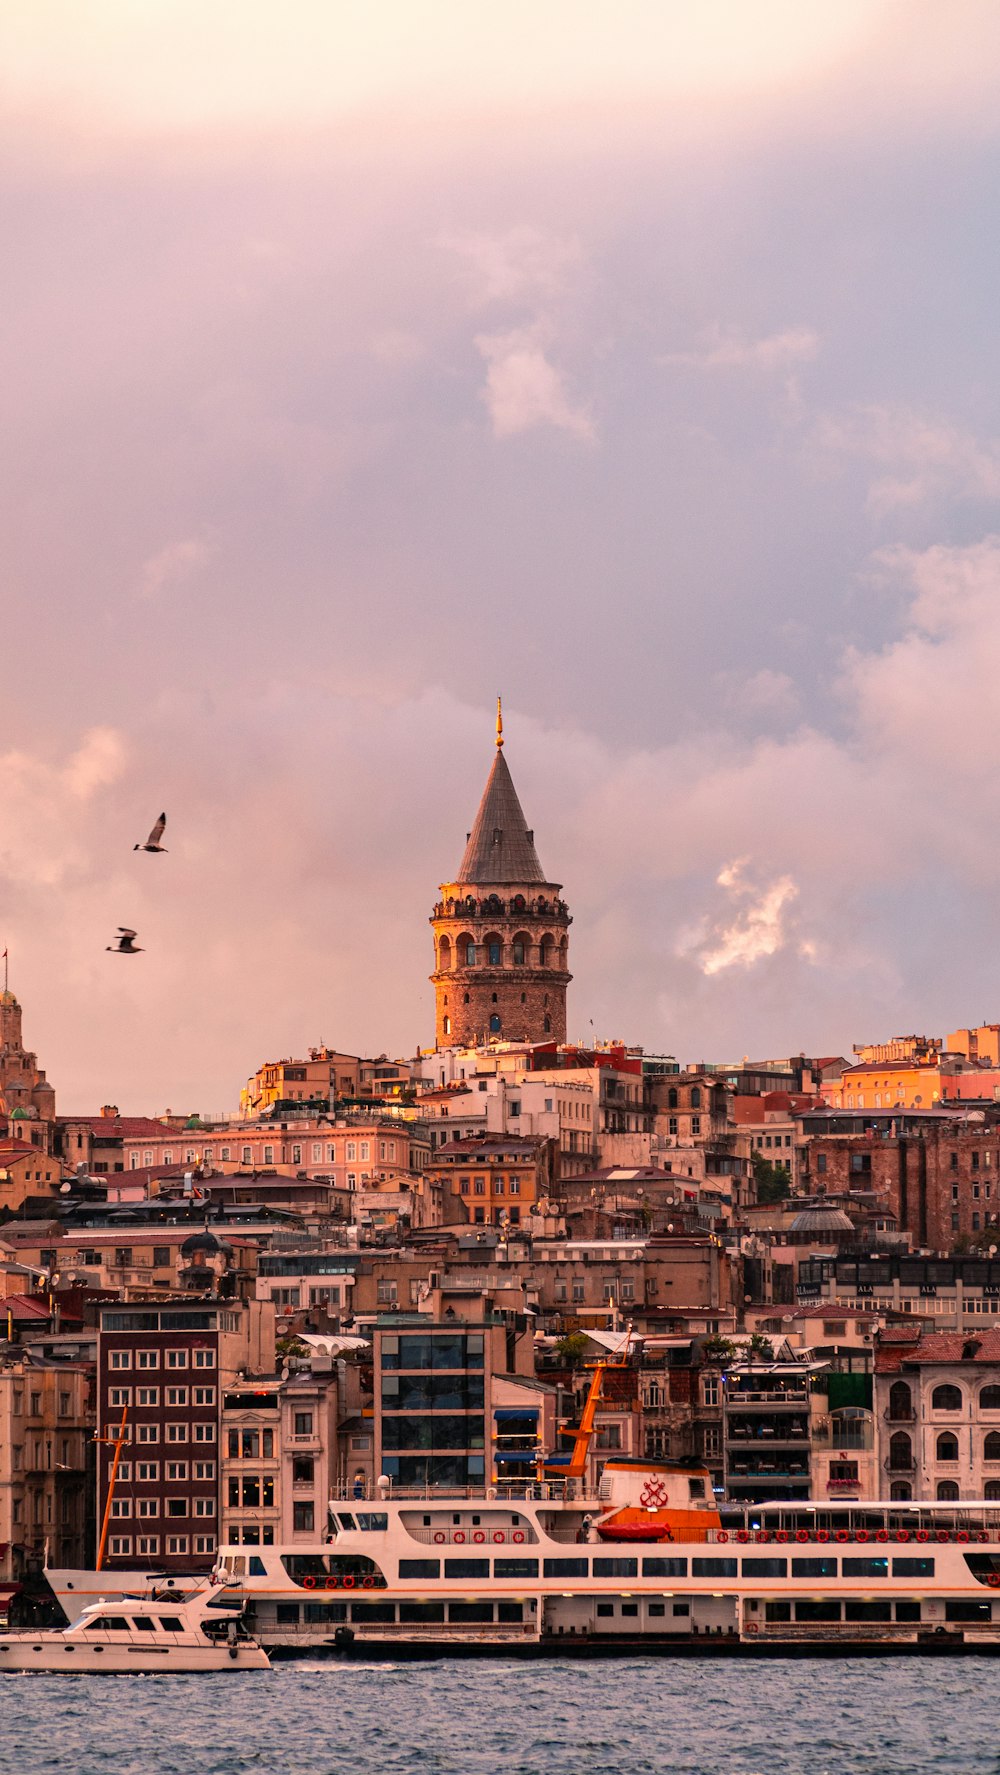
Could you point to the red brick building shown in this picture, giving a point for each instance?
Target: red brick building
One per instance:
(166, 1364)
(939, 1174)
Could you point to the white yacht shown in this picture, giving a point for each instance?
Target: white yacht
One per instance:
(152, 1635)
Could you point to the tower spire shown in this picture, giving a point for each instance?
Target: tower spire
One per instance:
(499, 723)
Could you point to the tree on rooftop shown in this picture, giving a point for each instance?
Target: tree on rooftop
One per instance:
(718, 1349)
(772, 1182)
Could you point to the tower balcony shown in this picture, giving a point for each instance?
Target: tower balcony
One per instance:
(518, 909)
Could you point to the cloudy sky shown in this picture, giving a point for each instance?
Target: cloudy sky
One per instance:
(639, 360)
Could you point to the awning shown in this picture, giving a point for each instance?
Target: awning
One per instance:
(517, 1454)
(505, 1414)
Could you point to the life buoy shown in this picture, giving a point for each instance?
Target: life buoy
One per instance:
(479, 1537)
(802, 1534)
(862, 1535)
(309, 1583)
(330, 1583)
(983, 1535)
(518, 1536)
(742, 1534)
(902, 1534)
(498, 1537)
(761, 1535)
(722, 1537)
(439, 1538)
(459, 1537)
(994, 1580)
(963, 1535)
(368, 1583)
(923, 1534)
(842, 1535)
(751, 1627)
(348, 1581)
(822, 1534)
(941, 1534)
(781, 1534)
(882, 1534)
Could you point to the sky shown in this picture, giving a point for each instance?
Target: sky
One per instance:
(637, 361)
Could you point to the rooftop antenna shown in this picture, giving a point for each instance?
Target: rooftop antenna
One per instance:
(499, 732)
(6, 963)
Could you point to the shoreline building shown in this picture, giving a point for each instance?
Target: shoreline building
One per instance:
(500, 931)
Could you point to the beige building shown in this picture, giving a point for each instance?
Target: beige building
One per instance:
(45, 1422)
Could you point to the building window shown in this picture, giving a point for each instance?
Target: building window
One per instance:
(176, 1359)
(303, 1518)
(204, 1359)
(304, 1422)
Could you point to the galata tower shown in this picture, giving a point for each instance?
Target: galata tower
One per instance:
(501, 931)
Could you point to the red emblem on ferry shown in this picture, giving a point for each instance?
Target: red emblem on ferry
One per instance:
(653, 1495)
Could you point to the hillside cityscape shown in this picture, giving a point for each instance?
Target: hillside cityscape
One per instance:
(791, 1263)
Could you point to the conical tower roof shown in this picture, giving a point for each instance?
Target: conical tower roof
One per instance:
(501, 849)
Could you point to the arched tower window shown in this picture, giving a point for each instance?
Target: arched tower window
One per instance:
(493, 950)
(494, 1023)
(548, 1025)
(444, 955)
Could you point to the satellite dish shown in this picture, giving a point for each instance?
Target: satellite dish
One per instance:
(64, 1189)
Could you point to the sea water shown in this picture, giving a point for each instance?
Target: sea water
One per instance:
(505, 1717)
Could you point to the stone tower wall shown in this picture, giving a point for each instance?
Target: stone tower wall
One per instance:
(519, 974)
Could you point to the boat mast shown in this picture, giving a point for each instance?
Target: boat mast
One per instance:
(117, 1443)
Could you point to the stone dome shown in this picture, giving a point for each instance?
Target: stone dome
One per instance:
(205, 1244)
(821, 1218)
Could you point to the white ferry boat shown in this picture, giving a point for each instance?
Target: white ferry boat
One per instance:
(152, 1635)
(651, 1562)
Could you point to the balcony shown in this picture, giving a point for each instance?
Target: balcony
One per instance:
(899, 1468)
(899, 1417)
(772, 1399)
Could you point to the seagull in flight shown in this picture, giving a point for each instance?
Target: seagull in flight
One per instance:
(153, 841)
(125, 944)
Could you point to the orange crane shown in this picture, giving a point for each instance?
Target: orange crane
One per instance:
(574, 1466)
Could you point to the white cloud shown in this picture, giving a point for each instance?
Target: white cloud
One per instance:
(524, 265)
(524, 389)
(172, 567)
(760, 925)
(728, 348)
(924, 458)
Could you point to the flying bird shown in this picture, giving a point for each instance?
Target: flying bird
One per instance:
(153, 841)
(125, 944)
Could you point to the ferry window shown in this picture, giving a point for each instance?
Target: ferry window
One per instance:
(466, 1568)
(814, 1568)
(320, 1613)
(765, 1568)
(345, 1520)
(114, 1624)
(470, 1611)
(143, 1623)
(605, 1608)
(420, 1568)
(376, 1520)
(510, 1611)
(713, 1568)
(682, 1608)
(630, 1608)
(907, 1611)
(656, 1608)
(287, 1614)
(778, 1611)
(817, 1611)
(566, 1568)
(621, 1568)
(865, 1568)
(913, 1568)
(170, 1623)
(373, 1611)
(515, 1568)
(412, 1613)
(967, 1611)
(662, 1568)
(257, 1567)
(867, 1611)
